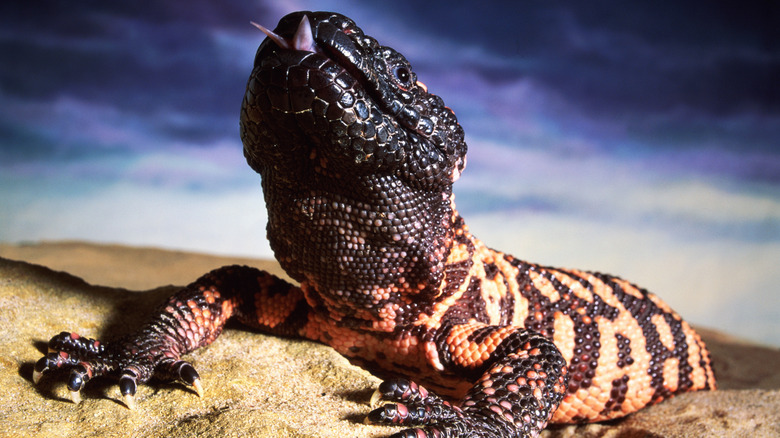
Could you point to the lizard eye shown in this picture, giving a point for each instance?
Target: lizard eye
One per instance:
(403, 75)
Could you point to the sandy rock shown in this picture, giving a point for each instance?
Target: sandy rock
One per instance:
(258, 385)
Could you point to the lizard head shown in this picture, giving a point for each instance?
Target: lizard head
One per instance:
(357, 161)
(324, 92)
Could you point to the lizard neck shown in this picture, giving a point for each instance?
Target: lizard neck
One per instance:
(364, 247)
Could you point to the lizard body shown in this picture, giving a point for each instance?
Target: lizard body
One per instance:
(357, 161)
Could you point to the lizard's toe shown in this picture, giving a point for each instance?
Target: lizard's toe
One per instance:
(181, 370)
(401, 401)
(128, 384)
(398, 390)
(88, 358)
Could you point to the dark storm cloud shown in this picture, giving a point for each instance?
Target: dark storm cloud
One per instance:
(143, 57)
(609, 56)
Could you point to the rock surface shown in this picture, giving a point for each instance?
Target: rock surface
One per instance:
(258, 385)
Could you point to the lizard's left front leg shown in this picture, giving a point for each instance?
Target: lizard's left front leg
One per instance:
(190, 319)
(523, 380)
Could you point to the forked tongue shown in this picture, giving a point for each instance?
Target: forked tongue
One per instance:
(302, 40)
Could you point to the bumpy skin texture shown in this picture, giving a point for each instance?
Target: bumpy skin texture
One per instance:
(357, 162)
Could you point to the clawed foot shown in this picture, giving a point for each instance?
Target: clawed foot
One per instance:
(131, 362)
(400, 401)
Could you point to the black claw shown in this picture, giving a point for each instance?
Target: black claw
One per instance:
(187, 372)
(42, 365)
(127, 383)
(172, 369)
(79, 377)
(76, 382)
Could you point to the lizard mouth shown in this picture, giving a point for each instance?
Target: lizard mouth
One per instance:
(319, 67)
(302, 40)
(326, 40)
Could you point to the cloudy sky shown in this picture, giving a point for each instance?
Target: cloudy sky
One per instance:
(638, 139)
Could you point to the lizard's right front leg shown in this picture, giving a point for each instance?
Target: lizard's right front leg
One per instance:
(190, 319)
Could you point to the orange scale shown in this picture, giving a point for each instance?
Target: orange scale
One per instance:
(586, 319)
(583, 395)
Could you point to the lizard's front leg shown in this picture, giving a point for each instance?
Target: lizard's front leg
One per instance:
(524, 378)
(190, 319)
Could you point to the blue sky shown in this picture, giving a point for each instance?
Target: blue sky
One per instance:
(638, 139)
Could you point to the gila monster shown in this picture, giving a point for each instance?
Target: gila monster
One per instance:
(357, 161)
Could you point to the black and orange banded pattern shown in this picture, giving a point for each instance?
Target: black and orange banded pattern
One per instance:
(357, 161)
